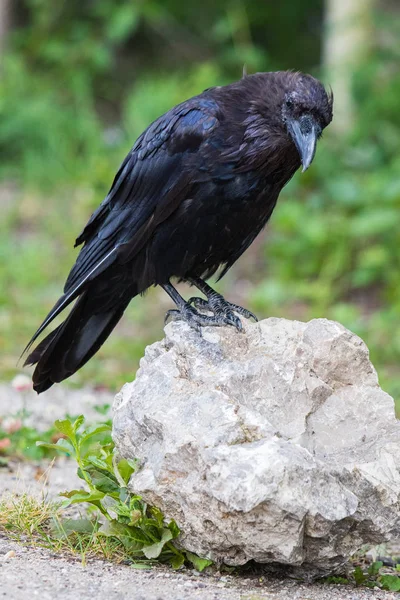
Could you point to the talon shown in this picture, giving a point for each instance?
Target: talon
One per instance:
(231, 319)
(223, 311)
(243, 311)
(238, 324)
(172, 314)
(191, 316)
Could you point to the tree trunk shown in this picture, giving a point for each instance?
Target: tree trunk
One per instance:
(5, 10)
(347, 42)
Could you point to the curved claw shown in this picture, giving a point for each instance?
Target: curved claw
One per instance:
(172, 314)
(244, 312)
(223, 310)
(184, 315)
(223, 313)
(231, 319)
(196, 319)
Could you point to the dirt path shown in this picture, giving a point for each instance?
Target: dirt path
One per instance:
(36, 573)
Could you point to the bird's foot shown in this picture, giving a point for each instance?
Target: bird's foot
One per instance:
(224, 311)
(196, 319)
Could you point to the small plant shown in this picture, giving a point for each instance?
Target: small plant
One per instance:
(118, 514)
(373, 577)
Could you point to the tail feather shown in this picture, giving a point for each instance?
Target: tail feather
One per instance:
(35, 355)
(76, 340)
(71, 294)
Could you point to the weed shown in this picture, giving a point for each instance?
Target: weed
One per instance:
(372, 577)
(118, 525)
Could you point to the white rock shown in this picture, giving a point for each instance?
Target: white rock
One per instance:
(276, 444)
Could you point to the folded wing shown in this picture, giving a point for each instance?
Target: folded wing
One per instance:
(150, 184)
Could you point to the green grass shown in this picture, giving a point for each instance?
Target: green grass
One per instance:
(42, 523)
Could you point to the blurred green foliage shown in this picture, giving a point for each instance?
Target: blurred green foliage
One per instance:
(81, 80)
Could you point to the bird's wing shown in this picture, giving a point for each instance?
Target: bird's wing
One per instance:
(149, 186)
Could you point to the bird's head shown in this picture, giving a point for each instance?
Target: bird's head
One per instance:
(305, 112)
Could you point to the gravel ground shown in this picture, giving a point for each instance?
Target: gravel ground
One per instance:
(39, 479)
(58, 401)
(33, 572)
(29, 572)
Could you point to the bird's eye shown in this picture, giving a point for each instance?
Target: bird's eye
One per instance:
(289, 103)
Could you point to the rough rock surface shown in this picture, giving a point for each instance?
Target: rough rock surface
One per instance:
(276, 445)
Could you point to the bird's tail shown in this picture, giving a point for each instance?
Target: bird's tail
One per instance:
(77, 339)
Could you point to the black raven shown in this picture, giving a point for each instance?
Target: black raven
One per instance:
(195, 190)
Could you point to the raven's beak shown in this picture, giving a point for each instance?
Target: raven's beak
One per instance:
(305, 132)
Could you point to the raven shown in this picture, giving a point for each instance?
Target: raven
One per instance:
(195, 190)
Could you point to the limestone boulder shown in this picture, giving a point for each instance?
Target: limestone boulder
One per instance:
(276, 444)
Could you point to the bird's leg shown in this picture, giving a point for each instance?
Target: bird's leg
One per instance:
(186, 312)
(222, 309)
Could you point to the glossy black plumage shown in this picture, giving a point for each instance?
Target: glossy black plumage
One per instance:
(195, 190)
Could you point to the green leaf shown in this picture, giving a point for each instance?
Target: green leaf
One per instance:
(119, 508)
(374, 569)
(152, 527)
(94, 430)
(66, 427)
(113, 529)
(131, 537)
(67, 527)
(81, 475)
(157, 516)
(390, 582)
(97, 462)
(122, 509)
(154, 550)
(174, 529)
(336, 579)
(177, 560)
(124, 495)
(77, 423)
(76, 496)
(199, 563)
(359, 576)
(125, 469)
(62, 445)
(102, 480)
